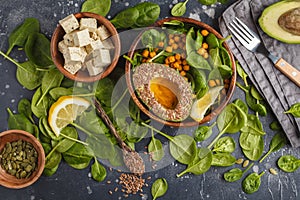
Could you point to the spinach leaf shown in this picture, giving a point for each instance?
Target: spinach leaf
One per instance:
(230, 120)
(223, 159)
(141, 15)
(249, 141)
(235, 174)
(98, 171)
(197, 61)
(50, 172)
(207, 2)
(42, 108)
(275, 126)
(203, 132)
(57, 92)
(24, 107)
(65, 144)
(225, 57)
(253, 126)
(252, 182)
(278, 141)
(78, 156)
(242, 105)
(255, 152)
(51, 79)
(136, 132)
(151, 38)
(52, 159)
(20, 34)
(200, 164)
(254, 92)
(100, 7)
(28, 76)
(155, 148)
(183, 148)
(294, 110)
(224, 145)
(215, 57)
(225, 71)
(198, 82)
(159, 188)
(179, 9)
(288, 163)
(103, 91)
(37, 49)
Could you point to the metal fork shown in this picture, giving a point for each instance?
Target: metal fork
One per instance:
(252, 42)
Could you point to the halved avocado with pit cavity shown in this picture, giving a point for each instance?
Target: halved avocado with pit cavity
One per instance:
(281, 21)
(163, 90)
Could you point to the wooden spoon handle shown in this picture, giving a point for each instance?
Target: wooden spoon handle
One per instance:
(110, 125)
(291, 72)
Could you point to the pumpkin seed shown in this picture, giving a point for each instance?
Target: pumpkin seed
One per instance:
(246, 163)
(239, 161)
(273, 171)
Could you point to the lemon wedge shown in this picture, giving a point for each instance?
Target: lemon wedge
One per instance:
(64, 111)
(201, 105)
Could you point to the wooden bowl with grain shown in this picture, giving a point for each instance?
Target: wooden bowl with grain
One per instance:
(10, 158)
(83, 75)
(188, 122)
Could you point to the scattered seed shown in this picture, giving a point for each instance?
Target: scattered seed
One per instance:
(239, 161)
(116, 189)
(246, 163)
(110, 192)
(273, 171)
(108, 182)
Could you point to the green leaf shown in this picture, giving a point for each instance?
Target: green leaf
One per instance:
(183, 148)
(223, 160)
(288, 163)
(37, 49)
(179, 9)
(42, 108)
(78, 156)
(197, 61)
(65, 144)
(155, 148)
(252, 183)
(28, 76)
(242, 105)
(100, 7)
(20, 34)
(24, 107)
(235, 174)
(224, 145)
(159, 188)
(203, 132)
(294, 110)
(98, 171)
(253, 126)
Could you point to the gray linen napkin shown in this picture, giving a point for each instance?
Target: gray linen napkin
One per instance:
(279, 91)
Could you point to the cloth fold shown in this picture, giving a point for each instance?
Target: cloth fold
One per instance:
(278, 90)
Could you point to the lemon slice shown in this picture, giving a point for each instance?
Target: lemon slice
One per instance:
(201, 105)
(64, 111)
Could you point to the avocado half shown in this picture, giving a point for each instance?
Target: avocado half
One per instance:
(268, 21)
(163, 90)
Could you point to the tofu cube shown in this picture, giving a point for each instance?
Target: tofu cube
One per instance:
(94, 36)
(92, 69)
(108, 44)
(69, 39)
(97, 44)
(73, 67)
(103, 32)
(88, 23)
(81, 38)
(62, 47)
(74, 54)
(69, 23)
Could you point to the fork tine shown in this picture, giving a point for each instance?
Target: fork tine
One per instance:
(246, 28)
(241, 31)
(238, 36)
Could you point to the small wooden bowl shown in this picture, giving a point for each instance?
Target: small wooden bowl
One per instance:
(10, 181)
(83, 76)
(188, 122)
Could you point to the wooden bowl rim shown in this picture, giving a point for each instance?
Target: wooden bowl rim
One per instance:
(83, 76)
(184, 123)
(11, 181)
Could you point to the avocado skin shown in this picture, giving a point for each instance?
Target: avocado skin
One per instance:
(268, 21)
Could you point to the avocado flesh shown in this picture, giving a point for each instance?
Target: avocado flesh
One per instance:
(268, 21)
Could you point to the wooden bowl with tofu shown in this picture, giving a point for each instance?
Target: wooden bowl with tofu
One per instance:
(85, 47)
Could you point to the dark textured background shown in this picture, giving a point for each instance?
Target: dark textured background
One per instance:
(69, 183)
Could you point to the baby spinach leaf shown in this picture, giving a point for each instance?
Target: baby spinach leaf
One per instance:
(159, 188)
(28, 76)
(57, 92)
(24, 107)
(103, 91)
(212, 41)
(100, 7)
(136, 132)
(200, 164)
(242, 105)
(125, 18)
(151, 38)
(156, 150)
(288, 163)
(278, 141)
(215, 57)
(294, 110)
(223, 159)
(179, 9)
(21, 122)
(203, 132)
(53, 159)
(224, 145)
(98, 171)
(65, 144)
(197, 61)
(230, 120)
(78, 156)
(50, 172)
(148, 14)
(254, 92)
(241, 72)
(255, 152)
(249, 141)
(20, 34)
(253, 126)
(42, 108)
(51, 79)
(183, 148)
(275, 126)
(252, 182)
(198, 82)
(37, 49)
(225, 71)
(235, 174)
(225, 57)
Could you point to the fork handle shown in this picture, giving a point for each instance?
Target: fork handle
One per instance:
(291, 72)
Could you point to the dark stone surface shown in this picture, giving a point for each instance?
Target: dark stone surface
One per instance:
(69, 183)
